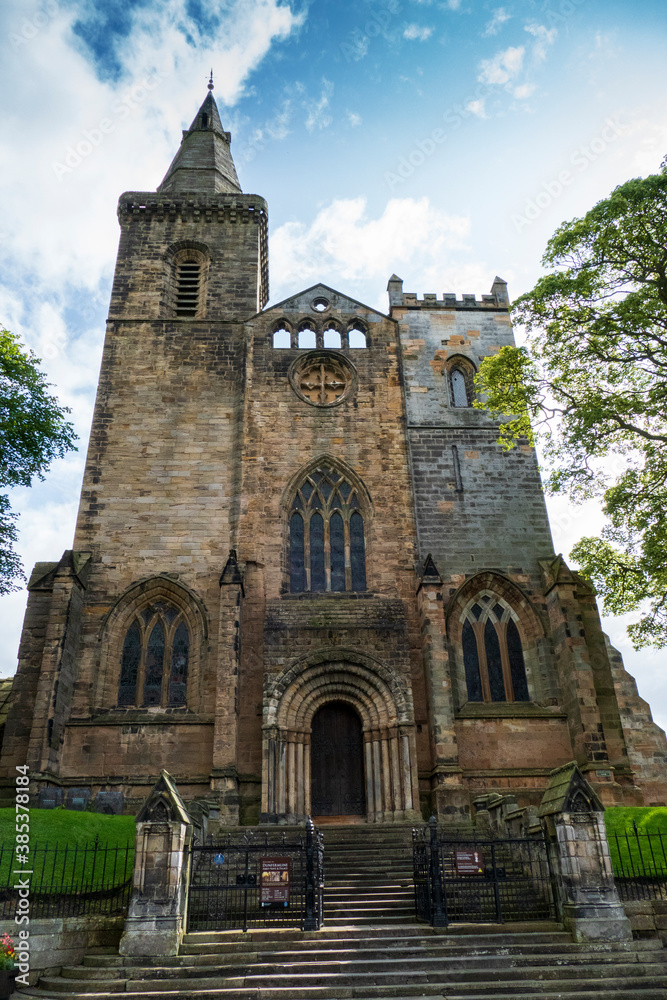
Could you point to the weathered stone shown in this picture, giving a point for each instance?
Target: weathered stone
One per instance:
(202, 435)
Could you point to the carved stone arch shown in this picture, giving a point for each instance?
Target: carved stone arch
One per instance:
(186, 245)
(138, 597)
(382, 700)
(338, 463)
(369, 671)
(364, 507)
(486, 588)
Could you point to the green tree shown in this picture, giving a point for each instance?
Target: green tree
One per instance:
(591, 386)
(33, 431)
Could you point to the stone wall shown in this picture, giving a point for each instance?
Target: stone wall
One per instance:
(61, 941)
(648, 918)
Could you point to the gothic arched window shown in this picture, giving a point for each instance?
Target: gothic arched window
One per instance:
(154, 660)
(327, 549)
(460, 375)
(492, 653)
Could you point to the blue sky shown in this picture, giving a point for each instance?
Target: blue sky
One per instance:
(442, 140)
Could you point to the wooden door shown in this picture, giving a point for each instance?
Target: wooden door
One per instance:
(337, 763)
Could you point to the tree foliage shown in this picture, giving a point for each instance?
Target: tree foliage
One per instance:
(33, 431)
(592, 382)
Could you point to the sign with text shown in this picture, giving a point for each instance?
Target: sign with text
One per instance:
(469, 862)
(275, 881)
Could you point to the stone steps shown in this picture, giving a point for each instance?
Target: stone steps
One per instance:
(372, 948)
(370, 954)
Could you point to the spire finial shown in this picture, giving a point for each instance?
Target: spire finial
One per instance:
(210, 82)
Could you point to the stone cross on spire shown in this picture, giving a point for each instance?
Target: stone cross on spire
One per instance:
(204, 163)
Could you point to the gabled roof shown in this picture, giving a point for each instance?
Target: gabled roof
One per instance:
(164, 803)
(302, 301)
(204, 161)
(568, 791)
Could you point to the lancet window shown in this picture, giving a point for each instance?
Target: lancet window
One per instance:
(492, 653)
(154, 659)
(460, 375)
(327, 549)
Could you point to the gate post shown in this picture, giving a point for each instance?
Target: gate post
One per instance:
(155, 922)
(590, 904)
(438, 906)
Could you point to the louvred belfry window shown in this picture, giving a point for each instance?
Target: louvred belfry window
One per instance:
(154, 659)
(188, 281)
(327, 550)
(492, 653)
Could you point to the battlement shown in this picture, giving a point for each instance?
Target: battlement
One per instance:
(193, 207)
(498, 299)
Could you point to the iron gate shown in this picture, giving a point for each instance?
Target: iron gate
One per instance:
(481, 881)
(257, 881)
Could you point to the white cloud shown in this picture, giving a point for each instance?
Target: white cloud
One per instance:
(58, 232)
(342, 244)
(477, 107)
(318, 116)
(544, 37)
(502, 67)
(524, 90)
(500, 16)
(353, 119)
(416, 33)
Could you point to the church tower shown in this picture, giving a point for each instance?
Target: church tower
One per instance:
(306, 580)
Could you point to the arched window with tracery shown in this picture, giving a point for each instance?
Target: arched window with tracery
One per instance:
(154, 659)
(493, 653)
(327, 548)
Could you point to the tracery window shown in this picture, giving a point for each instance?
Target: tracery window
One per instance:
(154, 659)
(492, 653)
(327, 549)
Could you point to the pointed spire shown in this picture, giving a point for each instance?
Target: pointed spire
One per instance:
(204, 161)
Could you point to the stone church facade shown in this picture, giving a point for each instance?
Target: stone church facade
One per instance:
(305, 577)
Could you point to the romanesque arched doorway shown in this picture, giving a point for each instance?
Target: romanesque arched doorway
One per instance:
(337, 762)
(381, 700)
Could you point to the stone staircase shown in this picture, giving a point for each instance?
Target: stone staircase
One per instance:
(371, 948)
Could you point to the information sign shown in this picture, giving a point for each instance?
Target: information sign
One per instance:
(469, 862)
(275, 881)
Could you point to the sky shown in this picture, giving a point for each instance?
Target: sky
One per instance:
(444, 140)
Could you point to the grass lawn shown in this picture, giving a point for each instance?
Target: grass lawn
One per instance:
(62, 848)
(632, 854)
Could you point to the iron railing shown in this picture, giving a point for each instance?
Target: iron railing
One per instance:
(481, 881)
(267, 880)
(66, 881)
(639, 861)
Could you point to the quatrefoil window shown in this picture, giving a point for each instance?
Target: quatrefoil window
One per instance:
(322, 379)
